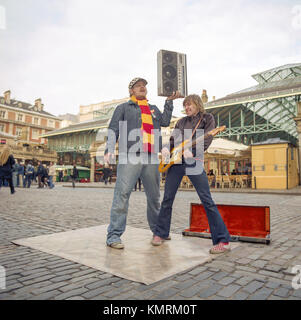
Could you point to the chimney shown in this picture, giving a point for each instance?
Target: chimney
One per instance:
(7, 96)
(204, 96)
(38, 104)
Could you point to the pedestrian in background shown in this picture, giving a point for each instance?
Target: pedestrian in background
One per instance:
(61, 176)
(111, 174)
(74, 175)
(28, 175)
(35, 173)
(52, 174)
(20, 174)
(6, 168)
(15, 174)
(40, 172)
(106, 173)
(139, 184)
(45, 176)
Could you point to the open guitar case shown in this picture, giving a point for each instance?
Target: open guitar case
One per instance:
(244, 223)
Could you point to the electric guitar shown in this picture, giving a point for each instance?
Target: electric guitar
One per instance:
(177, 152)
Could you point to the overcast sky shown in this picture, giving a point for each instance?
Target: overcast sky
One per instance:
(77, 52)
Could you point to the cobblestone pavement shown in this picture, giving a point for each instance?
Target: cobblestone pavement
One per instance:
(252, 271)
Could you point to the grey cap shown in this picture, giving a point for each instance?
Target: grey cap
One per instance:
(135, 80)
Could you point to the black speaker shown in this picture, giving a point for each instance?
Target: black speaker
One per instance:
(172, 73)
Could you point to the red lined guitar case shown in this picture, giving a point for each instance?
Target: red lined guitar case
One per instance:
(244, 223)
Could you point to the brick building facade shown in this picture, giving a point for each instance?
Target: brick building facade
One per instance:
(27, 122)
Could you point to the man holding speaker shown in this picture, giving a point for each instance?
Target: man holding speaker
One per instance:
(136, 126)
(196, 118)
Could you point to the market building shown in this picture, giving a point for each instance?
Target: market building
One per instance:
(99, 110)
(269, 110)
(68, 119)
(78, 142)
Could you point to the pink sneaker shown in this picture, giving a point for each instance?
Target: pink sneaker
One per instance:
(157, 241)
(220, 248)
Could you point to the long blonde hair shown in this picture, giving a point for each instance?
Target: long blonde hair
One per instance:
(4, 156)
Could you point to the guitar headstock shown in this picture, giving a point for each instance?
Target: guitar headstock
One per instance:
(216, 131)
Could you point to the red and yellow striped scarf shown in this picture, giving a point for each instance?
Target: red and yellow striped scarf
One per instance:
(147, 124)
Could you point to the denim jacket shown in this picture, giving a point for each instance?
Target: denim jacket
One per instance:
(129, 114)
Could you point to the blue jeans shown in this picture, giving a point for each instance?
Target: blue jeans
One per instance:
(27, 181)
(50, 181)
(7, 181)
(15, 178)
(218, 229)
(127, 176)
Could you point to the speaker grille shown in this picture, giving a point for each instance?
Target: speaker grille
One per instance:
(169, 72)
(168, 57)
(169, 87)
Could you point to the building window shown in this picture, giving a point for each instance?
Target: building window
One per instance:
(20, 117)
(35, 120)
(2, 114)
(2, 127)
(18, 132)
(51, 123)
(35, 134)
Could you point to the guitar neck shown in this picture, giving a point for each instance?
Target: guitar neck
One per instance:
(198, 140)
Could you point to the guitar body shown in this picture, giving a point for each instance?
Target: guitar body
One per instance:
(177, 152)
(174, 158)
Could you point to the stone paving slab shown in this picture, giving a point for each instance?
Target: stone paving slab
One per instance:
(87, 246)
(252, 271)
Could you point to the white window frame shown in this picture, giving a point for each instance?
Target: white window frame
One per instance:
(22, 117)
(3, 114)
(51, 123)
(33, 136)
(20, 131)
(2, 125)
(33, 120)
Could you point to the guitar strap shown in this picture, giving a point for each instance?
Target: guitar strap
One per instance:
(194, 130)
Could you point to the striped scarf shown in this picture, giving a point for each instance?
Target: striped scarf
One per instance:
(147, 125)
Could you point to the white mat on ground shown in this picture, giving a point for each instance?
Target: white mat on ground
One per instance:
(139, 261)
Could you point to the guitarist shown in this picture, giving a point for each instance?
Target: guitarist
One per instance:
(196, 118)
